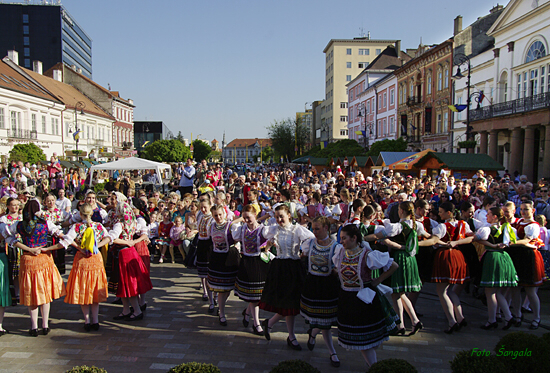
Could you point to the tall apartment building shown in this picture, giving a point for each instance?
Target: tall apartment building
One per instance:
(344, 60)
(306, 118)
(46, 33)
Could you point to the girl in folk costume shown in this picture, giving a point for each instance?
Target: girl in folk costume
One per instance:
(498, 273)
(56, 216)
(343, 208)
(175, 237)
(315, 208)
(129, 276)
(164, 239)
(294, 206)
(319, 300)
(204, 245)
(87, 283)
(355, 212)
(39, 279)
(362, 326)
(528, 263)
(141, 241)
(252, 268)
(5, 294)
(13, 253)
(98, 215)
(285, 278)
(221, 274)
(221, 199)
(112, 216)
(450, 266)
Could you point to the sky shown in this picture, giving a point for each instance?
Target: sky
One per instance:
(209, 67)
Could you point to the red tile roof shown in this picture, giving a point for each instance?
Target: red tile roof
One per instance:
(241, 143)
(11, 79)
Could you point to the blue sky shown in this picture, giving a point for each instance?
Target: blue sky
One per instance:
(205, 67)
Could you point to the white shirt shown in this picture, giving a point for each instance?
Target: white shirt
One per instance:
(63, 204)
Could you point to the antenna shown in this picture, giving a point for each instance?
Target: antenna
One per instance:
(109, 86)
(361, 32)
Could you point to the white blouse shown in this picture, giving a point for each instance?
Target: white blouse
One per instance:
(441, 230)
(394, 229)
(484, 232)
(375, 260)
(287, 239)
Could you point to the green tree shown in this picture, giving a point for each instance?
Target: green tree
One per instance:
(342, 148)
(166, 151)
(179, 137)
(387, 145)
(27, 153)
(288, 137)
(201, 150)
(267, 154)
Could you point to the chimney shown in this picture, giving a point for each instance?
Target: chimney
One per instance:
(398, 48)
(79, 70)
(37, 67)
(73, 67)
(58, 75)
(458, 25)
(496, 8)
(13, 56)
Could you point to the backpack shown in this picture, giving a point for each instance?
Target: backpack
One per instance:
(89, 242)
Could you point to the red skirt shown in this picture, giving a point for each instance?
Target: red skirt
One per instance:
(134, 277)
(450, 267)
(144, 254)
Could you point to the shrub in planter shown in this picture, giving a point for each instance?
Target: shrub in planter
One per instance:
(195, 368)
(523, 352)
(472, 361)
(392, 365)
(86, 369)
(294, 366)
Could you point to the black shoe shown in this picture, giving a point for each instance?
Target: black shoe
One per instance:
(265, 327)
(509, 324)
(534, 325)
(256, 330)
(46, 331)
(143, 307)
(525, 310)
(416, 328)
(489, 326)
(293, 346)
(223, 320)
(33, 332)
(4, 331)
(95, 327)
(517, 321)
(454, 328)
(336, 363)
(87, 327)
(310, 346)
(499, 318)
(205, 298)
(122, 316)
(211, 308)
(462, 324)
(400, 332)
(245, 321)
(135, 318)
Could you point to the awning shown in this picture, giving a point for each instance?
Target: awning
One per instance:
(45, 162)
(87, 164)
(410, 162)
(67, 164)
(78, 164)
(95, 162)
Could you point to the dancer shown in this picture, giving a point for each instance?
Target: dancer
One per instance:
(362, 326)
(141, 241)
(13, 253)
(5, 296)
(204, 219)
(283, 285)
(56, 216)
(319, 300)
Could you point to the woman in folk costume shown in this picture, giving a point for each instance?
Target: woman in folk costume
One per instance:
(13, 253)
(56, 216)
(87, 283)
(39, 279)
(528, 263)
(141, 241)
(204, 246)
(129, 276)
(450, 266)
(319, 299)
(112, 216)
(362, 326)
(285, 278)
(315, 208)
(342, 209)
(498, 273)
(5, 294)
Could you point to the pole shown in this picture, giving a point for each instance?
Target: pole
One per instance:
(76, 127)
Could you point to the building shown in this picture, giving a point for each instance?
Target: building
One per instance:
(344, 60)
(46, 33)
(424, 95)
(148, 132)
(306, 119)
(215, 144)
(244, 150)
(515, 127)
(110, 101)
(316, 122)
(372, 98)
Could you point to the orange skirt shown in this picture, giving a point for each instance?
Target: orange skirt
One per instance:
(450, 267)
(87, 282)
(39, 280)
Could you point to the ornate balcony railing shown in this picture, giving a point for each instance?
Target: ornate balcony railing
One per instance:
(20, 133)
(521, 105)
(413, 100)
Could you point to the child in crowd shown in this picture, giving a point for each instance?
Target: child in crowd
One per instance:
(164, 233)
(175, 240)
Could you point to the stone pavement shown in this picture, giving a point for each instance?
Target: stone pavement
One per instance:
(177, 329)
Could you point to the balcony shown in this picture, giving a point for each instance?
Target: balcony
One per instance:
(521, 105)
(413, 100)
(19, 133)
(98, 142)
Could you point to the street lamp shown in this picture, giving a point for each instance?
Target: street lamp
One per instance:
(80, 105)
(362, 115)
(459, 60)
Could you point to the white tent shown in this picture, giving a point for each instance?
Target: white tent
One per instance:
(133, 163)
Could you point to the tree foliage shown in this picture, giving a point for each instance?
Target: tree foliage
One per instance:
(27, 153)
(201, 150)
(288, 137)
(180, 138)
(166, 151)
(267, 154)
(340, 148)
(387, 145)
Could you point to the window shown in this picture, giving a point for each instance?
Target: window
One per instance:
(446, 77)
(384, 127)
(385, 99)
(343, 132)
(26, 51)
(363, 65)
(43, 124)
(392, 97)
(13, 116)
(343, 118)
(446, 122)
(519, 85)
(392, 124)
(33, 122)
(439, 129)
(348, 65)
(542, 75)
(2, 124)
(53, 125)
(429, 82)
(524, 84)
(459, 114)
(533, 82)
(25, 29)
(536, 51)
(25, 18)
(378, 51)
(364, 52)
(348, 78)
(343, 105)
(439, 80)
(548, 78)
(26, 40)
(348, 51)
(379, 101)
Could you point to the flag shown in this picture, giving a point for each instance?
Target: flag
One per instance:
(76, 135)
(457, 108)
(145, 143)
(358, 132)
(322, 144)
(481, 97)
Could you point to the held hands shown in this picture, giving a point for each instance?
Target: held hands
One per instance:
(501, 246)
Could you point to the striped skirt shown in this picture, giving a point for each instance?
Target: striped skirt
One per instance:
(450, 267)
(319, 301)
(251, 278)
(221, 278)
(204, 247)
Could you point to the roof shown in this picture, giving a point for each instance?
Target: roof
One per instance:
(391, 157)
(467, 161)
(241, 143)
(388, 60)
(309, 159)
(364, 40)
(11, 79)
(411, 161)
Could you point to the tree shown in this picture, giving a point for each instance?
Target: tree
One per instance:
(201, 150)
(27, 153)
(342, 148)
(267, 154)
(180, 138)
(288, 137)
(399, 145)
(166, 151)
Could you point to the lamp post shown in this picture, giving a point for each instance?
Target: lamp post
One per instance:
(80, 105)
(459, 60)
(363, 116)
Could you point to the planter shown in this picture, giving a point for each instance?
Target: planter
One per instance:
(468, 144)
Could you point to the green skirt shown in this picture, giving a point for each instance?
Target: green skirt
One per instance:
(498, 270)
(406, 278)
(5, 296)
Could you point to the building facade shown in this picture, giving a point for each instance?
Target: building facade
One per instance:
(306, 119)
(244, 150)
(515, 128)
(146, 133)
(424, 94)
(344, 60)
(46, 33)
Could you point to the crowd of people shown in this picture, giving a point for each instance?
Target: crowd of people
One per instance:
(337, 247)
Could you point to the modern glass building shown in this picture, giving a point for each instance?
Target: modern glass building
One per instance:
(46, 33)
(146, 133)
